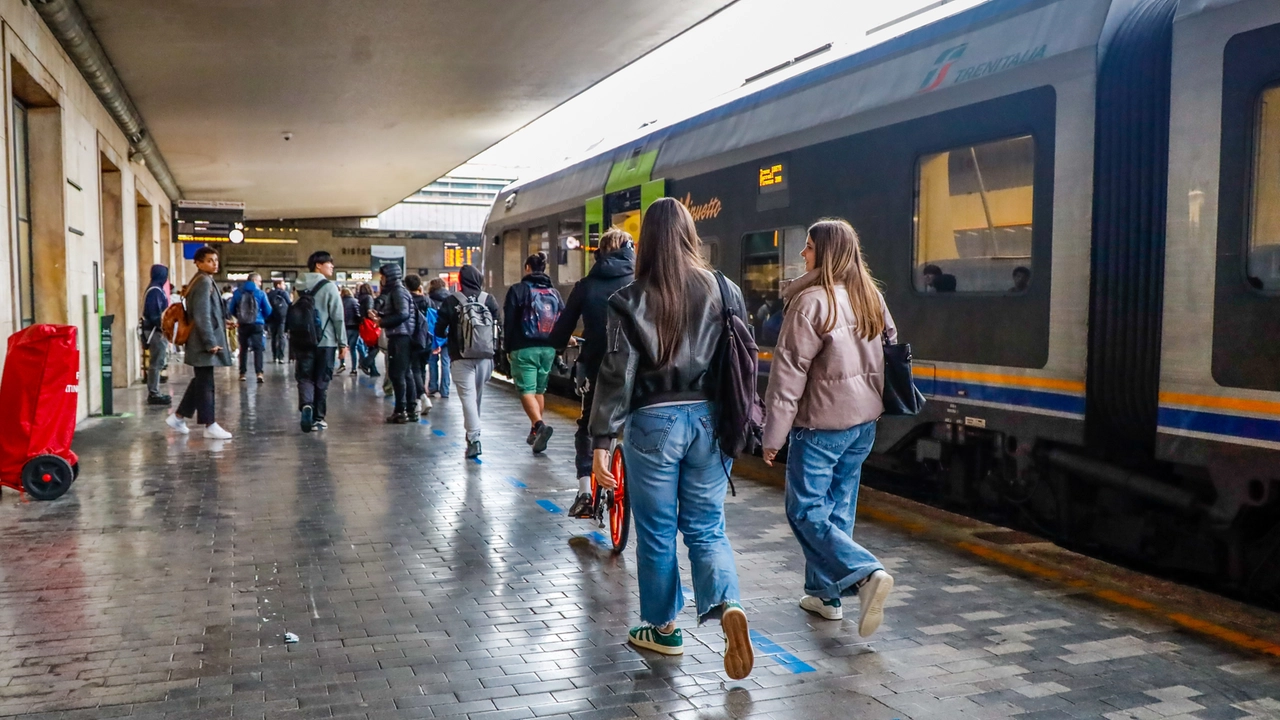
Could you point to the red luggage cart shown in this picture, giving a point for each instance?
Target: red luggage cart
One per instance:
(39, 393)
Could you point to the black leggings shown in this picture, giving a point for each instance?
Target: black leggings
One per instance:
(198, 398)
(400, 367)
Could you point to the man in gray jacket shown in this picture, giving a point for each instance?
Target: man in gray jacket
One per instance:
(206, 348)
(314, 368)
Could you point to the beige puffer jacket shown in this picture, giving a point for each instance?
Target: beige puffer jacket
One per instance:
(824, 381)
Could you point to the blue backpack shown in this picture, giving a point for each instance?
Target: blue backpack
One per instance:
(541, 313)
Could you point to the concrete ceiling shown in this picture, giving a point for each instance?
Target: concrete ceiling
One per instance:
(381, 96)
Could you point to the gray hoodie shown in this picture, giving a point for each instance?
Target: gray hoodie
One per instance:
(329, 307)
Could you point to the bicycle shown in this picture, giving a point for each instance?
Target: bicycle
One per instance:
(614, 502)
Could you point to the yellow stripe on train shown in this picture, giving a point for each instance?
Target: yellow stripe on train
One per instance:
(987, 378)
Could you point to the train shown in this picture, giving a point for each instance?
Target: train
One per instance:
(1074, 209)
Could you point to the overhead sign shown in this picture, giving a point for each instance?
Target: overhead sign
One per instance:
(387, 254)
(208, 221)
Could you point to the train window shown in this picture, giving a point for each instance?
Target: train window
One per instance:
(570, 252)
(763, 270)
(539, 241)
(710, 250)
(1264, 216)
(973, 218)
(512, 257)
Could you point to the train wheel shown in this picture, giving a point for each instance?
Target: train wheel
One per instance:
(620, 512)
(47, 477)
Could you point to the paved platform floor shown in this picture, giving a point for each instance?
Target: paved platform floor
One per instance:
(423, 586)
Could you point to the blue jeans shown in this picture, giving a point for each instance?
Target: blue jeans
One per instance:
(824, 468)
(438, 364)
(355, 347)
(677, 478)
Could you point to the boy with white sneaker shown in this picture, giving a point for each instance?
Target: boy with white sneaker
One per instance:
(205, 349)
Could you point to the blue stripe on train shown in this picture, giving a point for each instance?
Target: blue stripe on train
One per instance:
(1008, 396)
(1207, 422)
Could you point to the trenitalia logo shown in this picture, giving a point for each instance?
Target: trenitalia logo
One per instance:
(942, 68)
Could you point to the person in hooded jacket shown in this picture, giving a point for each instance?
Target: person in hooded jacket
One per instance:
(313, 368)
(154, 303)
(469, 374)
(438, 363)
(396, 317)
(531, 354)
(251, 324)
(614, 269)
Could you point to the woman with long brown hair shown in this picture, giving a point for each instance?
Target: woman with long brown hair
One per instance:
(658, 378)
(825, 387)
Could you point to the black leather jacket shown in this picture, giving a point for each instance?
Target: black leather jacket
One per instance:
(629, 377)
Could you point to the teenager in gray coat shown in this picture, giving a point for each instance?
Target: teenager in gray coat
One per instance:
(206, 347)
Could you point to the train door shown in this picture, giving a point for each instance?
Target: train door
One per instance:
(770, 260)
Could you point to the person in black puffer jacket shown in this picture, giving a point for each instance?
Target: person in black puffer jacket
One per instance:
(438, 363)
(396, 316)
(614, 269)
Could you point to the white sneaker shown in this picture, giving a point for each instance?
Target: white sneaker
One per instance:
(215, 432)
(829, 609)
(426, 403)
(177, 423)
(872, 595)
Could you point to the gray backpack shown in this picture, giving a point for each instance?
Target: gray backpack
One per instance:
(477, 328)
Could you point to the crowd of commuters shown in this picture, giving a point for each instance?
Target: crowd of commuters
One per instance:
(649, 370)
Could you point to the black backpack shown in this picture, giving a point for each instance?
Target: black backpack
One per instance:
(247, 308)
(422, 335)
(303, 321)
(740, 426)
(279, 305)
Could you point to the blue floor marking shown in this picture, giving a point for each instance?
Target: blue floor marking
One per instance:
(765, 646)
(478, 461)
(439, 433)
(516, 483)
(549, 506)
(424, 422)
(600, 539)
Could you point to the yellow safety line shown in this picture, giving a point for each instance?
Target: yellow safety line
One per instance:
(1262, 407)
(1072, 386)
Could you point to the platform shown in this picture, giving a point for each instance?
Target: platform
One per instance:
(421, 585)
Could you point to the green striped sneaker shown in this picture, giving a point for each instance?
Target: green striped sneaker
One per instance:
(648, 637)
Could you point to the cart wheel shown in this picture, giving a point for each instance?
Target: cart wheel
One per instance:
(75, 471)
(47, 477)
(620, 510)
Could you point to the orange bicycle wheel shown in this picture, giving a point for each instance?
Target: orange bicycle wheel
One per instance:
(620, 511)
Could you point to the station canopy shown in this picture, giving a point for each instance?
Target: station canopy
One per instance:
(377, 97)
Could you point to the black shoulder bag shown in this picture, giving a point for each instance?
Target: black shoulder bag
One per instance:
(901, 397)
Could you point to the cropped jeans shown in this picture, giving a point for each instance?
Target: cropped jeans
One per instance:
(824, 469)
(676, 479)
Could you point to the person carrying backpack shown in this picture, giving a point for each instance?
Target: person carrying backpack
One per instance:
(154, 303)
(251, 310)
(280, 302)
(316, 336)
(468, 319)
(205, 348)
(825, 394)
(396, 315)
(438, 363)
(659, 377)
(423, 339)
(529, 316)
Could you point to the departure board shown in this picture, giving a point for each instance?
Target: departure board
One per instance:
(773, 177)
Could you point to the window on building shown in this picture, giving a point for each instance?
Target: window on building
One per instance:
(973, 218)
(1264, 215)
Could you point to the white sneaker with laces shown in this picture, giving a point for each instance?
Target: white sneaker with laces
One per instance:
(215, 432)
(829, 609)
(872, 595)
(177, 423)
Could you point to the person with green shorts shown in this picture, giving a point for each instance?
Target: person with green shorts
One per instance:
(529, 315)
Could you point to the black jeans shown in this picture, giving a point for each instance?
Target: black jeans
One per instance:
(419, 369)
(278, 337)
(399, 367)
(198, 398)
(582, 444)
(251, 339)
(313, 369)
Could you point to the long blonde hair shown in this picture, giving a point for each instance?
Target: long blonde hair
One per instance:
(839, 260)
